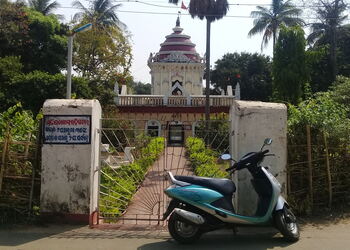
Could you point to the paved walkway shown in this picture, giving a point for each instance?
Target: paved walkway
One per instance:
(149, 202)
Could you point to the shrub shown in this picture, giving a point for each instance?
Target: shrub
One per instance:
(203, 160)
(119, 185)
(329, 125)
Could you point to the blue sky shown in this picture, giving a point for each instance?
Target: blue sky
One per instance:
(148, 30)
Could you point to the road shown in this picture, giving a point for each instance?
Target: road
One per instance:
(331, 235)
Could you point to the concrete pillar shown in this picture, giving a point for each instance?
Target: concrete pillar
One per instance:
(229, 90)
(238, 92)
(70, 160)
(124, 90)
(252, 122)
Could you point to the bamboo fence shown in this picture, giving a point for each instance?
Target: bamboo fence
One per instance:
(318, 171)
(19, 178)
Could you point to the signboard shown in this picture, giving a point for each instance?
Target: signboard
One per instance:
(67, 129)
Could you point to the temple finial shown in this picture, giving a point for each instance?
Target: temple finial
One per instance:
(178, 19)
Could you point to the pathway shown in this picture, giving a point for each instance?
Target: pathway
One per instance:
(149, 202)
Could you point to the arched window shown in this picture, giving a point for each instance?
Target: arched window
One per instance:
(153, 128)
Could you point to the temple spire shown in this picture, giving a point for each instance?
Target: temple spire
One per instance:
(178, 19)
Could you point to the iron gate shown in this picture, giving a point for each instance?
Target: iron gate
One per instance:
(132, 184)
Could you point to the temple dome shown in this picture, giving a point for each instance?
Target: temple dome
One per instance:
(177, 47)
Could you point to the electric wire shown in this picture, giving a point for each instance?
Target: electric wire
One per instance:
(187, 14)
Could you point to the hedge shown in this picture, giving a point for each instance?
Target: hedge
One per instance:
(119, 185)
(203, 160)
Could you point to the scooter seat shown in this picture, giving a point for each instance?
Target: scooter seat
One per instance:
(223, 186)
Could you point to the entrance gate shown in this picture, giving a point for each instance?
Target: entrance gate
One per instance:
(131, 182)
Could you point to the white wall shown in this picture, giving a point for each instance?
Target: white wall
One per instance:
(252, 122)
(190, 74)
(69, 170)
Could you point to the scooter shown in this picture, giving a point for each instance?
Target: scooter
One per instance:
(199, 204)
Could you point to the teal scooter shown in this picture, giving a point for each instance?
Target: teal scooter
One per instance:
(199, 205)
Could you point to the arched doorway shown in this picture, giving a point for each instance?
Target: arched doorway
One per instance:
(176, 133)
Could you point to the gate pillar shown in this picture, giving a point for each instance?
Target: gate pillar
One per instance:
(252, 122)
(70, 160)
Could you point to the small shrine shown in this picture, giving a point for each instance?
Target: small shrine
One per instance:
(177, 102)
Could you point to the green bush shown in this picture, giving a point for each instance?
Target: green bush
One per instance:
(203, 160)
(119, 185)
(326, 114)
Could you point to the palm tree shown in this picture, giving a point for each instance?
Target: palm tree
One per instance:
(330, 15)
(101, 13)
(211, 10)
(269, 21)
(43, 6)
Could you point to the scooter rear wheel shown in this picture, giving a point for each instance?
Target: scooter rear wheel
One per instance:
(181, 231)
(286, 223)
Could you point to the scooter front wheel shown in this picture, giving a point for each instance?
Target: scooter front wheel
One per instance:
(286, 223)
(181, 231)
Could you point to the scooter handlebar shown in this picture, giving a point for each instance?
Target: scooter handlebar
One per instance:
(230, 168)
(265, 151)
(240, 165)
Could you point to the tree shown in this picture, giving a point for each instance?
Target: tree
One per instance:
(290, 71)
(141, 88)
(321, 79)
(47, 48)
(14, 28)
(269, 21)
(251, 71)
(343, 50)
(319, 68)
(10, 67)
(330, 15)
(102, 56)
(43, 6)
(211, 10)
(340, 91)
(104, 53)
(39, 40)
(34, 88)
(101, 13)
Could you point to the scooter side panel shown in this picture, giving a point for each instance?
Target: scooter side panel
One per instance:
(202, 198)
(280, 203)
(194, 193)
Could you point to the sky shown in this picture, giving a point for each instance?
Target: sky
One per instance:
(149, 28)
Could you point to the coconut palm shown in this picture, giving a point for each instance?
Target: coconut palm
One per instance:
(101, 13)
(330, 15)
(211, 10)
(269, 20)
(46, 7)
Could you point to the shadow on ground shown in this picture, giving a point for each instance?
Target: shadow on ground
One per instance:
(149, 239)
(222, 242)
(15, 235)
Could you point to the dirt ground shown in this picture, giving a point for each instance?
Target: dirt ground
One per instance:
(319, 234)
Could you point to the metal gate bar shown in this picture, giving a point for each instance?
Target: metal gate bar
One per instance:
(148, 203)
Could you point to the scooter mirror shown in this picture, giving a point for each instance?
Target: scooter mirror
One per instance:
(226, 157)
(268, 141)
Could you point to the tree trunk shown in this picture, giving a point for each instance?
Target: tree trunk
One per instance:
(273, 42)
(35, 166)
(309, 160)
(4, 157)
(207, 82)
(333, 56)
(328, 171)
